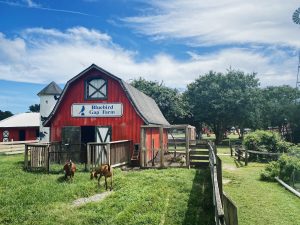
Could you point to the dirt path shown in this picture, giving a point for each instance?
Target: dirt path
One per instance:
(94, 198)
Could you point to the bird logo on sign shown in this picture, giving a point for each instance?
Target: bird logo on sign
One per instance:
(82, 111)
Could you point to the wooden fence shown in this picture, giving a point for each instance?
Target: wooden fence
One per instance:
(36, 156)
(115, 153)
(14, 147)
(225, 210)
(40, 156)
(243, 154)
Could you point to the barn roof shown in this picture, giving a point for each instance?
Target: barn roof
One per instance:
(145, 106)
(51, 89)
(22, 120)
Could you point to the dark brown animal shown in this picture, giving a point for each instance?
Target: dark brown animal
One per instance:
(103, 170)
(70, 169)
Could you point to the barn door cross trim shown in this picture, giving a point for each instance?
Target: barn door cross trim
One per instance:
(96, 89)
(108, 134)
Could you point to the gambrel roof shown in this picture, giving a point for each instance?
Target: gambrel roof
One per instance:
(144, 105)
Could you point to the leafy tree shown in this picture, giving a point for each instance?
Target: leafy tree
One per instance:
(169, 100)
(280, 110)
(293, 120)
(5, 114)
(222, 100)
(34, 108)
(277, 102)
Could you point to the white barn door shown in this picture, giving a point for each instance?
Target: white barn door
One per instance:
(103, 135)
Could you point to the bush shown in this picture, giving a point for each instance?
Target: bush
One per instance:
(294, 150)
(287, 166)
(271, 171)
(283, 168)
(266, 141)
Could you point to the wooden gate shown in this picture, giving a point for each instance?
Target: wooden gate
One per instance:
(115, 153)
(36, 156)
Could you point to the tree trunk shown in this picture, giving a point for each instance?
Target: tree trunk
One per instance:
(238, 131)
(199, 131)
(219, 132)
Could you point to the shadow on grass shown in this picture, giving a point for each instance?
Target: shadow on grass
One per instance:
(238, 163)
(200, 205)
(61, 179)
(19, 163)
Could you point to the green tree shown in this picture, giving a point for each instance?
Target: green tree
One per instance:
(223, 100)
(293, 120)
(5, 114)
(281, 110)
(34, 108)
(277, 102)
(169, 100)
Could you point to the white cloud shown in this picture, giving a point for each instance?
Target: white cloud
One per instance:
(41, 55)
(211, 23)
(32, 4)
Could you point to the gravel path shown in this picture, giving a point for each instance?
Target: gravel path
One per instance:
(94, 198)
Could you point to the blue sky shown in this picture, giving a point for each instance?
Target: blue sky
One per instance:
(173, 41)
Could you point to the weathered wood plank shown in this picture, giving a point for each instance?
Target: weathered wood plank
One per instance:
(288, 187)
(230, 211)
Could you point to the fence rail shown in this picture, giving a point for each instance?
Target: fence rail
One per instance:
(243, 154)
(14, 147)
(225, 210)
(219, 212)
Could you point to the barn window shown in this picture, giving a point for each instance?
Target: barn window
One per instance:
(96, 89)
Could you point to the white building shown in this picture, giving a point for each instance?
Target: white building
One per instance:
(48, 98)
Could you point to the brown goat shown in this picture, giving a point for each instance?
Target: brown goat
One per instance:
(103, 170)
(70, 169)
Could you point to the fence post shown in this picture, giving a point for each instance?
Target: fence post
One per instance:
(108, 153)
(47, 153)
(26, 157)
(161, 146)
(239, 153)
(187, 146)
(246, 157)
(230, 146)
(142, 155)
(130, 146)
(88, 156)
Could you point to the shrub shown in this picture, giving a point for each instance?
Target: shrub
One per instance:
(294, 150)
(271, 171)
(287, 166)
(283, 168)
(284, 146)
(266, 141)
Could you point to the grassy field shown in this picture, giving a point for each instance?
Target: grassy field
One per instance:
(258, 202)
(170, 196)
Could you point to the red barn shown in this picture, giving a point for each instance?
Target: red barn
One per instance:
(20, 127)
(97, 106)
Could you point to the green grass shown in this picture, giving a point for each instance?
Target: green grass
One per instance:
(258, 202)
(169, 196)
(223, 150)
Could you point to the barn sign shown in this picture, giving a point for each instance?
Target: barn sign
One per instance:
(97, 110)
